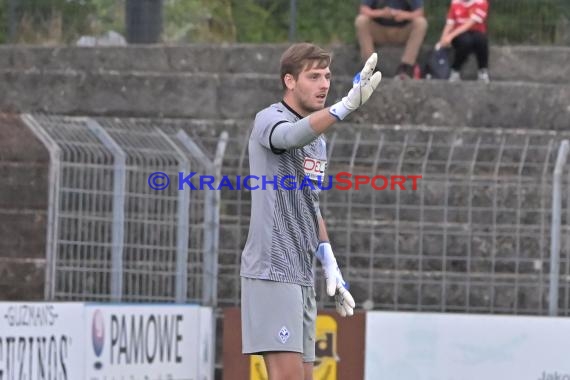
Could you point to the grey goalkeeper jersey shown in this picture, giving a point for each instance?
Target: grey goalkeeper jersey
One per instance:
(283, 231)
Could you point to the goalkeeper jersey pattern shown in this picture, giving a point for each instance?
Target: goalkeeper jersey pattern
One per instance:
(283, 231)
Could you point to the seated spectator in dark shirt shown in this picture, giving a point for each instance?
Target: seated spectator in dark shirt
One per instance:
(392, 22)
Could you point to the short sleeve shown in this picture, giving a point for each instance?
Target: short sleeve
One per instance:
(450, 15)
(480, 11)
(264, 125)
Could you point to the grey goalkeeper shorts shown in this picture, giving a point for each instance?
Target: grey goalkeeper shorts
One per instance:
(278, 316)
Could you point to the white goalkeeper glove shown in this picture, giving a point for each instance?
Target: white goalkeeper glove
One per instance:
(363, 86)
(336, 286)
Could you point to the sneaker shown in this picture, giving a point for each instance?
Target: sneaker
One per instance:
(454, 76)
(483, 76)
(417, 71)
(405, 71)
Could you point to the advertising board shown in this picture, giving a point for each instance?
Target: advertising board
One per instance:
(146, 342)
(425, 346)
(41, 340)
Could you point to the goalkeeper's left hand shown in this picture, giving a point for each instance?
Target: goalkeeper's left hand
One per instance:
(336, 286)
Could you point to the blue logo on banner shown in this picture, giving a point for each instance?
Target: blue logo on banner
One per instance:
(98, 335)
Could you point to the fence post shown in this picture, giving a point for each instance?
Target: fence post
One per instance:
(215, 215)
(53, 201)
(211, 215)
(555, 229)
(119, 183)
(292, 20)
(12, 21)
(143, 19)
(182, 226)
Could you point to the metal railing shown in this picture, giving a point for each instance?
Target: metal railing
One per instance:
(111, 237)
(561, 161)
(485, 231)
(474, 237)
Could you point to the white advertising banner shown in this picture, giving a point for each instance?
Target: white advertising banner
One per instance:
(422, 346)
(206, 350)
(142, 342)
(41, 341)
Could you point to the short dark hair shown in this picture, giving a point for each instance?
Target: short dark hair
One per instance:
(299, 55)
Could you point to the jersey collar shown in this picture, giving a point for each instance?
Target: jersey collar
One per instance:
(291, 109)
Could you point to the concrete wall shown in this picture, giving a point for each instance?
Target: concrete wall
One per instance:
(201, 81)
(24, 166)
(507, 63)
(239, 96)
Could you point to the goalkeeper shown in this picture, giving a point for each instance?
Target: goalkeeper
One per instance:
(286, 227)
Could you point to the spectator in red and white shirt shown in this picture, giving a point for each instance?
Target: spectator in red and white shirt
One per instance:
(466, 31)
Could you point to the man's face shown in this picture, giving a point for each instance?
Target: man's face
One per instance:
(311, 88)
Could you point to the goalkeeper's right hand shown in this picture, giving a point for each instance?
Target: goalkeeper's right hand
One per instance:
(336, 286)
(364, 85)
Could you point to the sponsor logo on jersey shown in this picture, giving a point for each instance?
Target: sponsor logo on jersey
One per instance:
(314, 168)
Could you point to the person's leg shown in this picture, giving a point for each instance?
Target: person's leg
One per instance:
(417, 30)
(308, 369)
(481, 48)
(364, 36)
(370, 33)
(411, 36)
(309, 329)
(273, 326)
(463, 45)
(291, 365)
(284, 365)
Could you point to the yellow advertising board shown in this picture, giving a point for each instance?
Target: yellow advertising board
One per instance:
(325, 352)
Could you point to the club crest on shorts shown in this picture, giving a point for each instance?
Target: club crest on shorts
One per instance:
(284, 334)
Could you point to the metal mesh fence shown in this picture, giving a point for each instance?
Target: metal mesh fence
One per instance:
(80, 221)
(113, 237)
(473, 236)
(327, 21)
